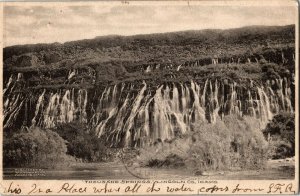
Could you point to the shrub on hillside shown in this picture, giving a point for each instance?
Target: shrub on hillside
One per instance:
(280, 133)
(83, 144)
(270, 71)
(229, 144)
(35, 147)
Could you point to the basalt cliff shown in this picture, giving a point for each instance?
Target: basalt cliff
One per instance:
(135, 90)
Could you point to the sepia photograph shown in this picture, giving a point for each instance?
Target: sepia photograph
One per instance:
(131, 90)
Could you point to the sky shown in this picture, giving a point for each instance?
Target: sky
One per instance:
(32, 23)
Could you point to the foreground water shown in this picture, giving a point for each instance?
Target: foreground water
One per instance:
(279, 169)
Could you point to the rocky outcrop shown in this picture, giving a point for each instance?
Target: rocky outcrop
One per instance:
(26, 60)
(52, 57)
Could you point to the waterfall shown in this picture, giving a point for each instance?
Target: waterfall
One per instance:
(39, 103)
(135, 114)
(264, 105)
(10, 81)
(148, 69)
(19, 77)
(203, 94)
(71, 74)
(12, 109)
(119, 122)
(215, 103)
(136, 104)
(13, 101)
(196, 105)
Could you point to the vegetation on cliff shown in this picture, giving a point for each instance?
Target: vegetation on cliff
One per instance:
(280, 133)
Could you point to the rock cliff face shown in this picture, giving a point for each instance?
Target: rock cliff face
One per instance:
(136, 90)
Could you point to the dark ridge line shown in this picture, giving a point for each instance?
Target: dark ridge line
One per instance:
(258, 27)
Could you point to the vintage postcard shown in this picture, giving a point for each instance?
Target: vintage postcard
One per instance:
(149, 97)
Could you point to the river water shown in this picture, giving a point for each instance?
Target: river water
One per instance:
(275, 170)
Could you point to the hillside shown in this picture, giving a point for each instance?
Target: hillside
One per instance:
(110, 59)
(233, 90)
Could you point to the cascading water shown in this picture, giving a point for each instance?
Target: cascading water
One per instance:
(51, 107)
(128, 114)
(38, 105)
